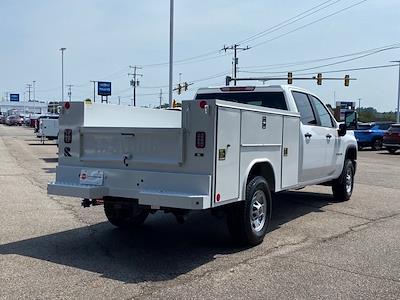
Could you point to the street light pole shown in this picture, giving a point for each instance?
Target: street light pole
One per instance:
(34, 94)
(62, 73)
(171, 49)
(398, 95)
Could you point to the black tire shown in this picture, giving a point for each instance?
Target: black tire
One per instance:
(124, 213)
(392, 150)
(377, 145)
(342, 187)
(242, 229)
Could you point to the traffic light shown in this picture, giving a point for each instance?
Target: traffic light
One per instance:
(346, 80)
(179, 89)
(289, 78)
(174, 103)
(185, 86)
(228, 80)
(319, 78)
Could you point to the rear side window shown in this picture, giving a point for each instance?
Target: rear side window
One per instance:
(383, 126)
(305, 109)
(266, 99)
(395, 129)
(324, 116)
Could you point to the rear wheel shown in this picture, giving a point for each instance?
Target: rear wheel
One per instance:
(342, 188)
(248, 220)
(377, 145)
(392, 150)
(124, 213)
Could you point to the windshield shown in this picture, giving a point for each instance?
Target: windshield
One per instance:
(265, 99)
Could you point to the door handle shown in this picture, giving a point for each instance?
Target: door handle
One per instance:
(308, 135)
(328, 136)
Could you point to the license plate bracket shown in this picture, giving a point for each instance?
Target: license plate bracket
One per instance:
(91, 177)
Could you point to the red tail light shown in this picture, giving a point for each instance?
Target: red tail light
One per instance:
(67, 136)
(200, 139)
(202, 104)
(67, 105)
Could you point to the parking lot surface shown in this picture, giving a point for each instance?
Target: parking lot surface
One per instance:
(50, 247)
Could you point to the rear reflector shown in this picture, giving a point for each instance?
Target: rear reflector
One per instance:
(200, 139)
(238, 89)
(67, 136)
(218, 197)
(67, 105)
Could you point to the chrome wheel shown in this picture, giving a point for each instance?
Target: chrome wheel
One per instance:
(349, 181)
(258, 211)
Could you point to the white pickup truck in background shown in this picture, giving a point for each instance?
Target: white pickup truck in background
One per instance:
(228, 149)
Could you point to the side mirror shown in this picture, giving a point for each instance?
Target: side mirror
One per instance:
(342, 129)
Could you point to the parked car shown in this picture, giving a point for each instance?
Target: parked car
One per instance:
(13, 120)
(391, 139)
(371, 134)
(3, 119)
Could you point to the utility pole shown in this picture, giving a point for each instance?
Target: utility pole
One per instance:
(69, 91)
(160, 98)
(29, 86)
(119, 100)
(94, 90)
(359, 105)
(171, 50)
(398, 96)
(235, 60)
(134, 81)
(62, 73)
(34, 91)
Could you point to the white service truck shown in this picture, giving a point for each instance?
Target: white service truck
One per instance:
(48, 128)
(228, 149)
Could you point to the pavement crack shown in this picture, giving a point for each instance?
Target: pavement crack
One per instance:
(349, 271)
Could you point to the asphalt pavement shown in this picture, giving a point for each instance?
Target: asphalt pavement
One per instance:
(50, 247)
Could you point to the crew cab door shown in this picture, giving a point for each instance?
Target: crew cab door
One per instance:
(328, 133)
(312, 154)
(319, 139)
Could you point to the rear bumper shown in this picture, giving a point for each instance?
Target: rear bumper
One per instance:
(173, 190)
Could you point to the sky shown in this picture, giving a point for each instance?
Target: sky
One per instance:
(103, 38)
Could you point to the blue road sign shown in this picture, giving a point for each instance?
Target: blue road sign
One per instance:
(14, 97)
(104, 88)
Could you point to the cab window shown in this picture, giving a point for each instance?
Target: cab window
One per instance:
(325, 119)
(305, 109)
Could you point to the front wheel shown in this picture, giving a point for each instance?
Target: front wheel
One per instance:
(377, 145)
(392, 150)
(248, 220)
(124, 213)
(342, 188)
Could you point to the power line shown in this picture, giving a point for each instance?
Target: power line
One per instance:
(325, 65)
(290, 21)
(309, 24)
(303, 62)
